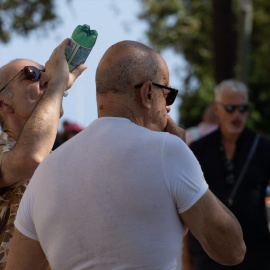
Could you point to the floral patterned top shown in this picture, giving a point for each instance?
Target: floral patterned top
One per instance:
(9, 203)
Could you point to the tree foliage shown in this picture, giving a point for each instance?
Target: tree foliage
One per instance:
(22, 17)
(206, 33)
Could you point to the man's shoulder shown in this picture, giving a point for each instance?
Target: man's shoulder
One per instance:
(264, 141)
(263, 138)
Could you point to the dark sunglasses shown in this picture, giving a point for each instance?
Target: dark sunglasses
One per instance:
(231, 108)
(30, 73)
(170, 97)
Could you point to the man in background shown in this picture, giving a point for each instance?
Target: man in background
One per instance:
(223, 155)
(69, 130)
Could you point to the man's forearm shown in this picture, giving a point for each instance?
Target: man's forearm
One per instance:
(39, 132)
(36, 139)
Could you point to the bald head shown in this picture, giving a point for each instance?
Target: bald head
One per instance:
(6, 75)
(126, 64)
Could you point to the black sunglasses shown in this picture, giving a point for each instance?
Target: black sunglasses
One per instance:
(30, 72)
(170, 97)
(231, 108)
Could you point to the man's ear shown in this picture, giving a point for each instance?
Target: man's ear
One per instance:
(146, 94)
(4, 107)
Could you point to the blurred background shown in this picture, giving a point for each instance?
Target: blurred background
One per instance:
(202, 41)
(32, 29)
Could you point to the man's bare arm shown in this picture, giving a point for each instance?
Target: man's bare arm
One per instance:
(187, 263)
(217, 230)
(39, 133)
(25, 254)
(212, 223)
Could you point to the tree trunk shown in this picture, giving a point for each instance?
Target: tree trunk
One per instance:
(224, 39)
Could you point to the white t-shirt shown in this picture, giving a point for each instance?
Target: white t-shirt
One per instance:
(109, 198)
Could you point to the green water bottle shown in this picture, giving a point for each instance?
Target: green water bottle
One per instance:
(81, 43)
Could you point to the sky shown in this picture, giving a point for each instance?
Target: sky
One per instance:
(114, 20)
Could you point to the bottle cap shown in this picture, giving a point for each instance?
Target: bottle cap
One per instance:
(84, 36)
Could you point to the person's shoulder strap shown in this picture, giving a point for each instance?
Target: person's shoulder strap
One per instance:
(240, 178)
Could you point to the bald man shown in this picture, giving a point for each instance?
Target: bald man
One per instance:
(121, 193)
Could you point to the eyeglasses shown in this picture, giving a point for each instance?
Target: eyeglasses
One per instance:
(30, 72)
(170, 97)
(231, 108)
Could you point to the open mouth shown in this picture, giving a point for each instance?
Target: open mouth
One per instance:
(237, 123)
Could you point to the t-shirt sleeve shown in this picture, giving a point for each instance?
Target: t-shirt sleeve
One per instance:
(183, 173)
(24, 220)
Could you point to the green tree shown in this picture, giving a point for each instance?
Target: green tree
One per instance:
(23, 17)
(206, 34)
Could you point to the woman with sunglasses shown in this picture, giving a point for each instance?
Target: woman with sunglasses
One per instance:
(236, 180)
(30, 108)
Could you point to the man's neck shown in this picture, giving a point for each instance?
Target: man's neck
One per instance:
(229, 137)
(228, 141)
(112, 105)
